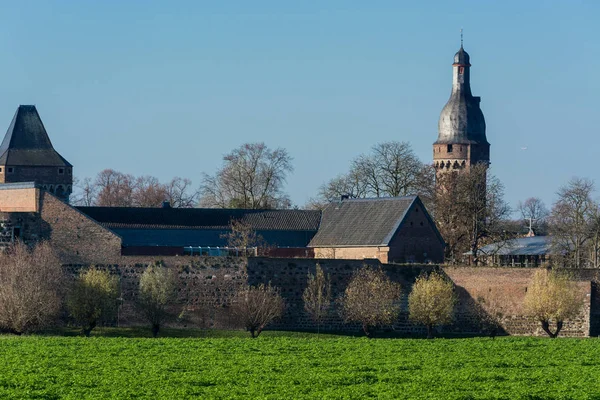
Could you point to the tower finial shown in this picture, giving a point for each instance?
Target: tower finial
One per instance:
(461, 38)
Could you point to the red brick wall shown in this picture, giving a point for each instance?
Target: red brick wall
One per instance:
(416, 240)
(75, 237)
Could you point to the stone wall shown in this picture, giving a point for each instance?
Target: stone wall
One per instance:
(206, 285)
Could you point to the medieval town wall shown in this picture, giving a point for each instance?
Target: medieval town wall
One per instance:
(207, 284)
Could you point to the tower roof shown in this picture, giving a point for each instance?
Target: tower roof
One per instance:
(461, 119)
(462, 57)
(26, 142)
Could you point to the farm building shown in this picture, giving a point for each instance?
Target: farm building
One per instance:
(392, 229)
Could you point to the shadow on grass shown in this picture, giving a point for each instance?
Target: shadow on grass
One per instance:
(144, 332)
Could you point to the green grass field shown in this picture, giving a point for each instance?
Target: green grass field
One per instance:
(292, 366)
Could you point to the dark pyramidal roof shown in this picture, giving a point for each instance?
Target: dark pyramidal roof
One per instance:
(27, 143)
(362, 222)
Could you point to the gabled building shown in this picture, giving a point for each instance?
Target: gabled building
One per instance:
(27, 155)
(393, 229)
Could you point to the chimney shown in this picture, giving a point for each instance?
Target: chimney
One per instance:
(344, 197)
(166, 204)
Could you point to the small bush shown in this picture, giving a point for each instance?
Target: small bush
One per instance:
(317, 296)
(552, 297)
(93, 299)
(31, 285)
(431, 301)
(257, 306)
(157, 291)
(370, 299)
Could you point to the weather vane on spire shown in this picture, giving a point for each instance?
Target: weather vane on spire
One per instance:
(461, 38)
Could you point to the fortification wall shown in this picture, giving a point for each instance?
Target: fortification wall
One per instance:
(207, 284)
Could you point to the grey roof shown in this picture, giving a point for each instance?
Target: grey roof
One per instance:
(461, 119)
(26, 142)
(527, 246)
(462, 57)
(362, 222)
(202, 218)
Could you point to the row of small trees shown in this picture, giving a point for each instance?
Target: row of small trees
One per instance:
(34, 291)
(372, 299)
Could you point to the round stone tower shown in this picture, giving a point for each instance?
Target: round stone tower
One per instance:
(461, 129)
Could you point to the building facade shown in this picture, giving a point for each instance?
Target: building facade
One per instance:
(462, 140)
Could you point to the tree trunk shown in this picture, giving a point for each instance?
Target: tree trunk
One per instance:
(88, 329)
(368, 333)
(155, 329)
(429, 331)
(252, 332)
(546, 328)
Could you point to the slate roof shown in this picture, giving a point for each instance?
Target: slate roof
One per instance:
(527, 246)
(202, 218)
(362, 222)
(26, 142)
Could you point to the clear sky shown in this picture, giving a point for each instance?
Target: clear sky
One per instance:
(165, 88)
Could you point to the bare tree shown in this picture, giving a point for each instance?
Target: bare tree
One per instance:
(242, 235)
(93, 299)
(31, 285)
(258, 306)
(370, 299)
(431, 301)
(534, 212)
(114, 189)
(157, 291)
(552, 297)
(85, 193)
(569, 221)
(181, 194)
(470, 210)
(317, 296)
(252, 177)
(148, 192)
(391, 169)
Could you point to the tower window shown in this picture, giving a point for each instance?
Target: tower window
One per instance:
(461, 70)
(61, 171)
(449, 148)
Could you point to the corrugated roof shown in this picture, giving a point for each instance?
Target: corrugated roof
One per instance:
(362, 222)
(527, 246)
(202, 218)
(27, 143)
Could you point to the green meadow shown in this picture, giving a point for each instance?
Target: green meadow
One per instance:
(280, 365)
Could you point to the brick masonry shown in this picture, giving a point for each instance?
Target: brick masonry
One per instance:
(206, 285)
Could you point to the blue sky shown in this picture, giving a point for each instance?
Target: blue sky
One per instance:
(166, 88)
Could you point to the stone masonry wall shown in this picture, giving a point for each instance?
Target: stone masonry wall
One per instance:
(206, 285)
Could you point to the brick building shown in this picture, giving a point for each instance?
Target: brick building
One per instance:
(393, 229)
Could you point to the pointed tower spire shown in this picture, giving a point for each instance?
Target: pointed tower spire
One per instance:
(27, 154)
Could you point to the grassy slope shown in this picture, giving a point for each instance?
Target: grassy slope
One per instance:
(298, 366)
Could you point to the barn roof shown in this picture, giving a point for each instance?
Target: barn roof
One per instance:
(202, 218)
(363, 222)
(527, 246)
